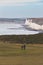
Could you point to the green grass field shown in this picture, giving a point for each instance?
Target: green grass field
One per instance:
(11, 54)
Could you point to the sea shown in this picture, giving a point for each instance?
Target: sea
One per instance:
(7, 28)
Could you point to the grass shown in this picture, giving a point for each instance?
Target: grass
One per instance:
(11, 54)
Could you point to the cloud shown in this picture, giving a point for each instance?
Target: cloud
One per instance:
(41, 1)
(15, 2)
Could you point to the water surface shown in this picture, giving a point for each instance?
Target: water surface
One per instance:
(16, 29)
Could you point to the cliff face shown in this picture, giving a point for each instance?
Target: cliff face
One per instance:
(37, 20)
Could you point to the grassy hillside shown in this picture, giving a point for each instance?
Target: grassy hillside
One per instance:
(38, 38)
(12, 54)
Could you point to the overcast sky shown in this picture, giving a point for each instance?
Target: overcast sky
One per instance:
(21, 8)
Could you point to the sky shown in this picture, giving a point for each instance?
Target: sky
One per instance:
(21, 8)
